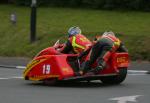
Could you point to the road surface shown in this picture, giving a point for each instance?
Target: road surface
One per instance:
(13, 89)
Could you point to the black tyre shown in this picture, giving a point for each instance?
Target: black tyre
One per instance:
(115, 79)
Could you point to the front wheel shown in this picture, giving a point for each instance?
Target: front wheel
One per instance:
(115, 79)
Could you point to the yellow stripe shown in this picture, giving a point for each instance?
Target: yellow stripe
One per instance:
(38, 78)
(117, 43)
(76, 45)
(31, 65)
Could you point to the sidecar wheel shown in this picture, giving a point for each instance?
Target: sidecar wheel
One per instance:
(115, 79)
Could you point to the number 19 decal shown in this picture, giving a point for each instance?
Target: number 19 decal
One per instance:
(46, 69)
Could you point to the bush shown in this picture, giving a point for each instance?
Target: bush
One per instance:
(23, 2)
(98, 4)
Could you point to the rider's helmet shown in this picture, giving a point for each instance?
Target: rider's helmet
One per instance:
(74, 31)
(108, 33)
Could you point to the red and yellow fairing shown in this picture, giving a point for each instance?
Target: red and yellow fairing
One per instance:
(47, 67)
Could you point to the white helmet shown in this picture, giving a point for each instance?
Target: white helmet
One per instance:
(108, 33)
(74, 31)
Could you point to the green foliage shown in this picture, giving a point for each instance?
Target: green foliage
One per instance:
(93, 3)
(23, 2)
(98, 4)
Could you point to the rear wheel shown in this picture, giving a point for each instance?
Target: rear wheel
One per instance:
(115, 79)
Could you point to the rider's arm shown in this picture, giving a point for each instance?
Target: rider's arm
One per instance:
(67, 47)
(85, 52)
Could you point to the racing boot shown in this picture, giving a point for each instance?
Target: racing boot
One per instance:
(97, 69)
(101, 65)
(94, 70)
(78, 73)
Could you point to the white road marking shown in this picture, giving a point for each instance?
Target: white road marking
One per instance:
(17, 77)
(3, 78)
(126, 99)
(137, 71)
(20, 67)
(11, 78)
(136, 74)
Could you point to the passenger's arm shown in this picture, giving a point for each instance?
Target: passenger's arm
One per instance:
(82, 54)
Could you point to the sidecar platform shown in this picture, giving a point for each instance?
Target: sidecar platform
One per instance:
(88, 77)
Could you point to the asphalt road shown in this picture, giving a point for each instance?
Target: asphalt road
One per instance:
(13, 89)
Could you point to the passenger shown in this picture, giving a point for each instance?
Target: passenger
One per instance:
(102, 50)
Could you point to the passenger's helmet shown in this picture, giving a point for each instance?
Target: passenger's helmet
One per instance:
(108, 33)
(74, 31)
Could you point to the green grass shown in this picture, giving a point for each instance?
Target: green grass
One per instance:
(53, 23)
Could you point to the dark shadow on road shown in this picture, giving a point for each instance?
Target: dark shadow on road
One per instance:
(74, 84)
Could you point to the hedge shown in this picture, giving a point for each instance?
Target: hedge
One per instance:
(97, 4)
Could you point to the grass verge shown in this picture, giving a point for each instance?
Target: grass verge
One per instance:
(53, 23)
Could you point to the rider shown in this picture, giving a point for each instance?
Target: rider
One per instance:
(77, 43)
(101, 50)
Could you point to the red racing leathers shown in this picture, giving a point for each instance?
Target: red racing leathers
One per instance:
(76, 44)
